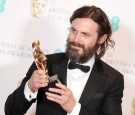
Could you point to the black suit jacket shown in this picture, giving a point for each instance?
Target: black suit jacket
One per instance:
(101, 96)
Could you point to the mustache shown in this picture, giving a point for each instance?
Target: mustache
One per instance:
(76, 44)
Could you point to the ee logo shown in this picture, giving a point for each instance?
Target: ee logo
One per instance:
(58, 51)
(2, 3)
(115, 23)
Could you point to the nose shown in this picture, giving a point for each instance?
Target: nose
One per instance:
(77, 37)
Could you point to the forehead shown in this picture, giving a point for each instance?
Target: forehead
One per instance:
(85, 25)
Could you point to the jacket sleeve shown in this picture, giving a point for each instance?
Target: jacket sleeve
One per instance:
(16, 103)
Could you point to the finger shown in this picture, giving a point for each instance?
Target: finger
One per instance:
(63, 87)
(40, 82)
(57, 100)
(54, 97)
(57, 90)
(43, 82)
(38, 85)
(40, 72)
(43, 78)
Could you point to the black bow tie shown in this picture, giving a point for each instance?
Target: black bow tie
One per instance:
(73, 65)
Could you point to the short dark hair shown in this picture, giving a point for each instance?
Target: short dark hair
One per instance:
(98, 16)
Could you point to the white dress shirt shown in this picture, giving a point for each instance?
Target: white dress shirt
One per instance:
(76, 81)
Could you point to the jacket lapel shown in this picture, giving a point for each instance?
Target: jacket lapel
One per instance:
(59, 67)
(96, 80)
(62, 73)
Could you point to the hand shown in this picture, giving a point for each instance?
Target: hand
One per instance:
(62, 96)
(37, 80)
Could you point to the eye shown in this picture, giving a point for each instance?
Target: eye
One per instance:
(72, 30)
(86, 35)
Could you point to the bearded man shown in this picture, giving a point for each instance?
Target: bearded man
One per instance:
(86, 85)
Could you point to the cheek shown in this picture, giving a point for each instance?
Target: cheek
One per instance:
(69, 39)
(89, 44)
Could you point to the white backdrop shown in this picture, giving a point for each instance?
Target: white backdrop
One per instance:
(21, 23)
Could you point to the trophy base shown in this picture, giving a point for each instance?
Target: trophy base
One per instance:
(52, 84)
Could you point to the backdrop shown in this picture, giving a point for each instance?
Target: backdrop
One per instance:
(23, 21)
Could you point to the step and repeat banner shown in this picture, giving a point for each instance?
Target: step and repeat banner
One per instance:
(24, 21)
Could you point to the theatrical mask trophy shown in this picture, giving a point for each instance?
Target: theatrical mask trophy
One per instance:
(41, 63)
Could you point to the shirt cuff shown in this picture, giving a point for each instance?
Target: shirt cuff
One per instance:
(28, 94)
(76, 109)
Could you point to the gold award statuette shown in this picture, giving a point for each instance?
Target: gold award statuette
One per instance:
(41, 63)
(39, 57)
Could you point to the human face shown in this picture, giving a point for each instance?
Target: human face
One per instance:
(82, 40)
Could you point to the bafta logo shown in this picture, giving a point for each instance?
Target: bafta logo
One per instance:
(38, 7)
(133, 107)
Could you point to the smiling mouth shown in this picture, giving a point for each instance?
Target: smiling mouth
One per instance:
(76, 47)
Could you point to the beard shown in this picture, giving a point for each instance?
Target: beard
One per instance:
(73, 54)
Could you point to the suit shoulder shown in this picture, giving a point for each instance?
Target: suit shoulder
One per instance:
(56, 57)
(108, 69)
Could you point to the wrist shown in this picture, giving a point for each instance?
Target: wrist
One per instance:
(31, 87)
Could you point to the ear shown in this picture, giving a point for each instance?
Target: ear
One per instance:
(102, 39)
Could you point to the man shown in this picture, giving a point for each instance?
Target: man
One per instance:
(96, 89)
